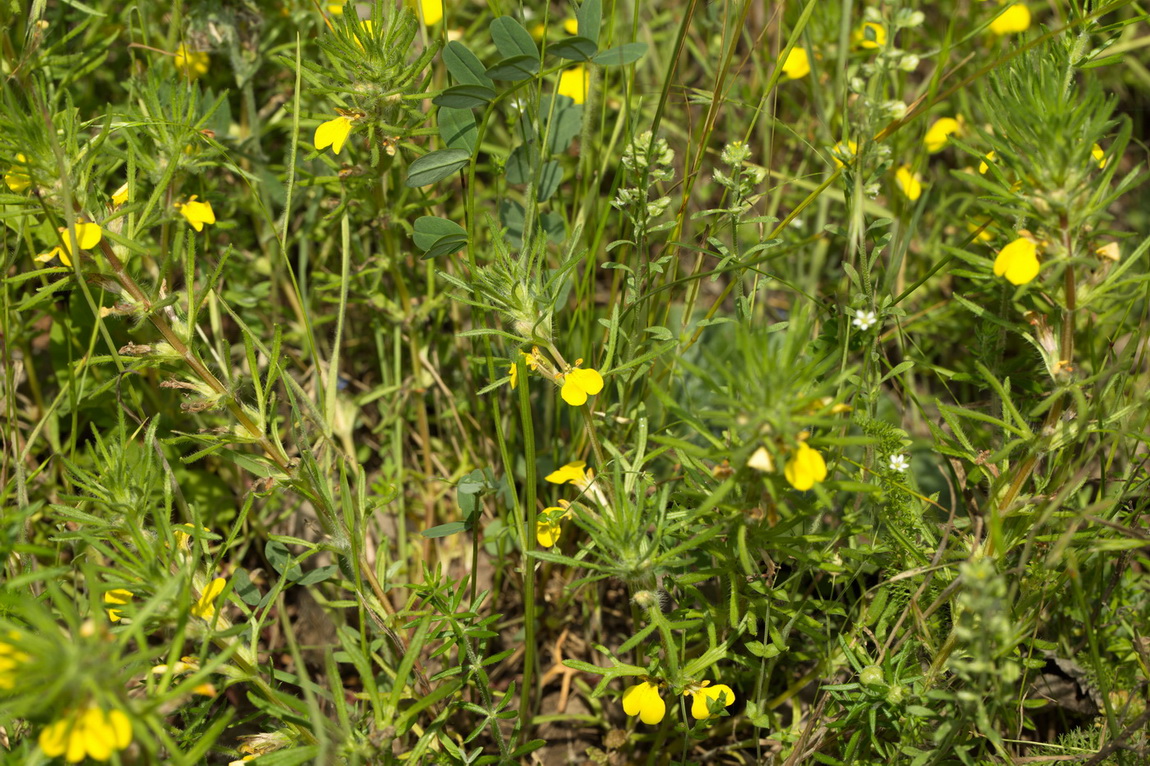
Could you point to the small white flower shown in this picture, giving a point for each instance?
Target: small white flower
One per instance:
(865, 319)
(899, 462)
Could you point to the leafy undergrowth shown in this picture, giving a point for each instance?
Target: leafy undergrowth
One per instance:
(609, 383)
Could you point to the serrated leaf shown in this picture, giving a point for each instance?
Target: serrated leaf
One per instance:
(576, 48)
(464, 65)
(511, 39)
(458, 129)
(436, 166)
(620, 55)
(514, 68)
(589, 16)
(465, 96)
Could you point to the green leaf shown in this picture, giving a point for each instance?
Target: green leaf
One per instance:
(457, 128)
(566, 121)
(620, 55)
(464, 66)
(280, 558)
(514, 68)
(549, 179)
(576, 48)
(589, 15)
(465, 97)
(436, 166)
(520, 164)
(511, 39)
(444, 530)
(317, 575)
(438, 236)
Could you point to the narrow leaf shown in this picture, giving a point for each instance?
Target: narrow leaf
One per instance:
(511, 39)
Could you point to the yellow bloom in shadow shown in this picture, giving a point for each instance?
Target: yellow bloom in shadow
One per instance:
(1013, 20)
(1018, 261)
(573, 83)
(578, 384)
(869, 36)
(798, 63)
(805, 468)
(117, 596)
(17, 179)
(332, 133)
(847, 150)
(938, 134)
(547, 529)
(90, 733)
(88, 235)
(197, 213)
(701, 699)
(192, 64)
(1095, 152)
(204, 608)
(644, 701)
(908, 183)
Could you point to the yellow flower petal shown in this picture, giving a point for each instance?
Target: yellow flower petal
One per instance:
(1014, 19)
(847, 149)
(96, 734)
(332, 133)
(699, 705)
(121, 729)
(204, 608)
(197, 213)
(869, 36)
(117, 596)
(908, 183)
(431, 11)
(547, 533)
(798, 63)
(982, 166)
(571, 473)
(120, 196)
(571, 26)
(573, 83)
(1099, 156)
(1018, 261)
(578, 383)
(54, 738)
(938, 135)
(805, 468)
(192, 64)
(644, 701)
(17, 179)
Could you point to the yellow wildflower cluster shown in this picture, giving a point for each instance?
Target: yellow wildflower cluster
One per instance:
(643, 699)
(88, 733)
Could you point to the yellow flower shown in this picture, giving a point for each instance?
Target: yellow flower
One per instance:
(644, 701)
(332, 133)
(88, 235)
(573, 83)
(1096, 152)
(88, 733)
(1018, 261)
(869, 36)
(192, 64)
(908, 183)
(547, 529)
(700, 704)
(532, 364)
(982, 166)
(578, 384)
(848, 149)
(336, 9)
(183, 534)
(120, 196)
(17, 179)
(1014, 19)
(805, 468)
(938, 135)
(11, 659)
(431, 11)
(572, 473)
(571, 25)
(117, 596)
(204, 608)
(197, 213)
(798, 63)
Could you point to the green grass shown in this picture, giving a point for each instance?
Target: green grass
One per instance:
(867, 458)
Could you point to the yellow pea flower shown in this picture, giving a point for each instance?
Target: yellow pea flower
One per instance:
(1095, 152)
(430, 11)
(332, 133)
(700, 707)
(644, 701)
(938, 135)
(571, 26)
(1018, 261)
(797, 64)
(204, 608)
(869, 36)
(805, 468)
(573, 83)
(1014, 19)
(908, 183)
(88, 733)
(117, 596)
(982, 166)
(847, 149)
(16, 178)
(191, 64)
(532, 364)
(120, 196)
(88, 235)
(197, 213)
(572, 473)
(579, 383)
(336, 8)
(547, 529)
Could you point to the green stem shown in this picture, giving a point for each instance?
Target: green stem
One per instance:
(528, 691)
